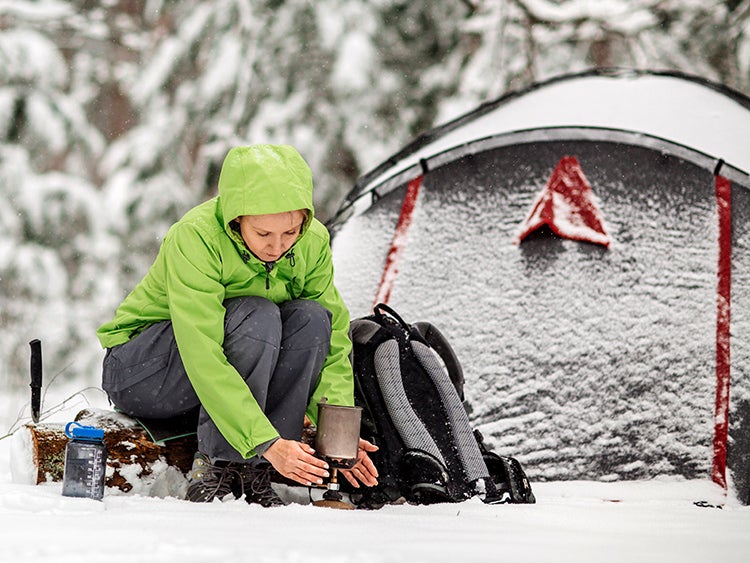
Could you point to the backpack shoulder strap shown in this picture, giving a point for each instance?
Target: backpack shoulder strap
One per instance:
(440, 344)
(430, 334)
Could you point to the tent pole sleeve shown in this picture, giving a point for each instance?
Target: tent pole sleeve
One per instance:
(393, 259)
(723, 365)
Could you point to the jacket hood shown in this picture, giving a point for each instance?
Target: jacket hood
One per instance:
(264, 179)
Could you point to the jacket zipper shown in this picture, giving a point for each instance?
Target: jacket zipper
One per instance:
(269, 266)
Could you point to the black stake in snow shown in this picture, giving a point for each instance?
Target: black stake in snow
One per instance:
(36, 378)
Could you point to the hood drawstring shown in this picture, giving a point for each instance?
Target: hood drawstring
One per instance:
(290, 256)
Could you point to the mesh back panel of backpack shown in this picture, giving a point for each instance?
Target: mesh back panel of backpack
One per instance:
(410, 427)
(468, 449)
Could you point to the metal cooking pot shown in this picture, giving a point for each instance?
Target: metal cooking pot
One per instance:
(337, 437)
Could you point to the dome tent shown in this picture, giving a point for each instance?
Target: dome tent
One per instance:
(585, 360)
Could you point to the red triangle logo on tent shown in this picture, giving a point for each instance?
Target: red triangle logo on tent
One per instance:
(566, 206)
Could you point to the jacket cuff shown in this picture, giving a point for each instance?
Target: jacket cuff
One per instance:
(261, 448)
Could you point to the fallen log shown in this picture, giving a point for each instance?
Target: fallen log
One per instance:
(134, 461)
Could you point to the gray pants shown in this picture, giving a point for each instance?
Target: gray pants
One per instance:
(278, 350)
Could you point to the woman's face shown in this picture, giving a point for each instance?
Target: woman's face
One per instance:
(270, 236)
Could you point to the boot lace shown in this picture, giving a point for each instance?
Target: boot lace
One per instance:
(258, 489)
(210, 480)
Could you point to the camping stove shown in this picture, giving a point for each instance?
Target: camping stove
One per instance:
(337, 442)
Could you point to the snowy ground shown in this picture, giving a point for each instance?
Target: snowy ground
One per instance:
(572, 521)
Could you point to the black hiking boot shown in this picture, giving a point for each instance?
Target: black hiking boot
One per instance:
(208, 481)
(256, 484)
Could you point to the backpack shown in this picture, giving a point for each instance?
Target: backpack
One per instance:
(409, 383)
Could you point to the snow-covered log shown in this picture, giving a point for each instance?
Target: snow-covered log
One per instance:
(135, 463)
(132, 457)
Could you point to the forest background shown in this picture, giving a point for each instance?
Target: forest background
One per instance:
(115, 116)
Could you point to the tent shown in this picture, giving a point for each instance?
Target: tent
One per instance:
(584, 244)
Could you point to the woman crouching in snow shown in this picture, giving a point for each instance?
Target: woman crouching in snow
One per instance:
(239, 317)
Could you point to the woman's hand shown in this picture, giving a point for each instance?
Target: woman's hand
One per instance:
(295, 461)
(364, 471)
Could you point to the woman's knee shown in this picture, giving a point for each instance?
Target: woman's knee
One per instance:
(252, 336)
(307, 319)
(252, 315)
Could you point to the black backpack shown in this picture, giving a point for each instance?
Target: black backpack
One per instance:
(409, 384)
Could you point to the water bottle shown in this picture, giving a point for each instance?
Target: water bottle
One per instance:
(85, 462)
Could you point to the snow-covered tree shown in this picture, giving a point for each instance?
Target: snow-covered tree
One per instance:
(49, 209)
(513, 43)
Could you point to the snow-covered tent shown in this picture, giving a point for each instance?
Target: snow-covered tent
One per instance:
(584, 244)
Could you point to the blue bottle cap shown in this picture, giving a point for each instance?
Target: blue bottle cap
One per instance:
(76, 430)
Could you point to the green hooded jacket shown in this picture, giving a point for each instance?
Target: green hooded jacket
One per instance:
(203, 261)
